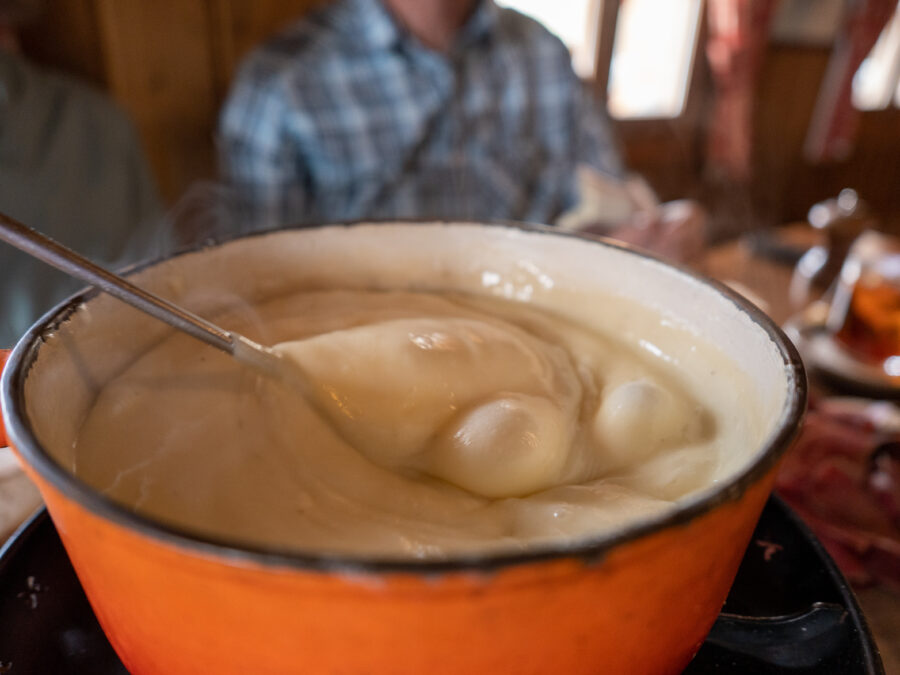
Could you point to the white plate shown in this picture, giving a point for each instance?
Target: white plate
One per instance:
(823, 355)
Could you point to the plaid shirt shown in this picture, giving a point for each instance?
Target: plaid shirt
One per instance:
(347, 116)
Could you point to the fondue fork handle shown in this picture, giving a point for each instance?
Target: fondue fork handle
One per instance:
(45, 249)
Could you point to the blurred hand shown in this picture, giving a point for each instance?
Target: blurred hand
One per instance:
(675, 230)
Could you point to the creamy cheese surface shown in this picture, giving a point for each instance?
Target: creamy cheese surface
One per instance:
(442, 424)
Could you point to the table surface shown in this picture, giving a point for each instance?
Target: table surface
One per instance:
(734, 263)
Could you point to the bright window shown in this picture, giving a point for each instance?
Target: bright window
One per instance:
(653, 49)
(652, 59)
(575, 22)
(876, 81)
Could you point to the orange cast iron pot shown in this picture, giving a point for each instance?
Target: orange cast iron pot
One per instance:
(638, 601)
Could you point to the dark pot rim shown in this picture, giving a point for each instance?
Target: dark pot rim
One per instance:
(588, 550)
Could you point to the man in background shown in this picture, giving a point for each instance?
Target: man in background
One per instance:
(70, 166)
(434, 109)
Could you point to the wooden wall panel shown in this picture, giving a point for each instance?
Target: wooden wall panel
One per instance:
(67, 36)
(170, 64)
(786, 185)
(158, 60)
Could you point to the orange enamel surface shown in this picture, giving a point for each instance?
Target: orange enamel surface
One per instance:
(4, 356)
(644, 608)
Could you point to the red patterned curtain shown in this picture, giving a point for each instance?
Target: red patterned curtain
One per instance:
(835, 120)
(738, 33)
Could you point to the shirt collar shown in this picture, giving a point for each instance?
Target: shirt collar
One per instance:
(480, 26)
(370, 22)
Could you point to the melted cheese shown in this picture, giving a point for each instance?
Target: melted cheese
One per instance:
(441, 424)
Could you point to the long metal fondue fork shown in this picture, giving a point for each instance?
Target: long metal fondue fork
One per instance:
(53, 253)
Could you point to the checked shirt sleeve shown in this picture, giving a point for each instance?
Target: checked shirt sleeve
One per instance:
(596, 145)
(259, 154)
